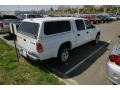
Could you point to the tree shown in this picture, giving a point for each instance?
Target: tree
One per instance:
(89, 9)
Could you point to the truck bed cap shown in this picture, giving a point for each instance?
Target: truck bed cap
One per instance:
(50, 19)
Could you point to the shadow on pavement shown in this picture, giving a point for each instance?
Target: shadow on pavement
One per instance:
(8, 37)
(77, 55)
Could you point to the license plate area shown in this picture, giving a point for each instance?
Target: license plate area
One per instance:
(24, 53)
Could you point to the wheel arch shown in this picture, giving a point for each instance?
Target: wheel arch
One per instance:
(67, 43)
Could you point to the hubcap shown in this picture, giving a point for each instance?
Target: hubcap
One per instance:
(65, 55)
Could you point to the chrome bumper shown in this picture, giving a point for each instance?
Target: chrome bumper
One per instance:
(113, 72)
(27, 54)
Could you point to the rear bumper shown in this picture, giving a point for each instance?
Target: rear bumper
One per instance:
(28, 54)
(113, 72)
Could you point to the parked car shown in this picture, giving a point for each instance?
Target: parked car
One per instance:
(113, 17)
(6, 20)
(24, 16)
(108, 19)
(98, 20)
(103, 18)
(91, 19)
(118, 17)
(113, 64)
(45, 38)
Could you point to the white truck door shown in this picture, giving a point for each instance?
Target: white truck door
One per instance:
(90, 31)
(80, 32)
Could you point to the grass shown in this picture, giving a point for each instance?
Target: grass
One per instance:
(14, 72)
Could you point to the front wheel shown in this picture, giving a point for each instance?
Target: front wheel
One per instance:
(63, 54)
(96, 41)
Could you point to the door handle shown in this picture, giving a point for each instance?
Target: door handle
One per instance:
(78, 34)
(24, 40)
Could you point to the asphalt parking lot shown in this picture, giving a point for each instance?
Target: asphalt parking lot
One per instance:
(87, 63)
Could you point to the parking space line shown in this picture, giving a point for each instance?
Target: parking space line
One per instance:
(73, 68)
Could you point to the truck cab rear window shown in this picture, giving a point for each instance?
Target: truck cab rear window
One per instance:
(29, 28)
(56, 27)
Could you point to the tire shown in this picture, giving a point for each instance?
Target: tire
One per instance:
(96, 41)
(96, 22)
(63, 54)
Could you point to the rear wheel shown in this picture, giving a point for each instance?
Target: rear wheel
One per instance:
(63, 54)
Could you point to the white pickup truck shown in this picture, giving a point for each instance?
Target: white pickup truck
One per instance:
(44, 38)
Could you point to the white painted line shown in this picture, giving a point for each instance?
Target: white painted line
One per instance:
(70, 70)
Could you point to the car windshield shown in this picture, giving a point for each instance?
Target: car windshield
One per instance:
(29, 29)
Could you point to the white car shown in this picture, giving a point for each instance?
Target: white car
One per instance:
(114, 18)
(44, 38)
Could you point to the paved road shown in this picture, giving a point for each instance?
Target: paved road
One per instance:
(87, 63)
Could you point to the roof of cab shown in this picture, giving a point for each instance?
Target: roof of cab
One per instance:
(38, 20)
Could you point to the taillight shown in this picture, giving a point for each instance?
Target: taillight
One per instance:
(1, 24)
(39, 47)
(115, 58)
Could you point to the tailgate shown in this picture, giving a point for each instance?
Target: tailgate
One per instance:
(25, 42)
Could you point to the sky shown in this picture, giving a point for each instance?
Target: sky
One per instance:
(29, 7)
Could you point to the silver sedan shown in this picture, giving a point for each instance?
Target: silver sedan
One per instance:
(113, 64)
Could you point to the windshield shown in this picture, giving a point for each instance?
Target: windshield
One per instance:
(29, 29)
